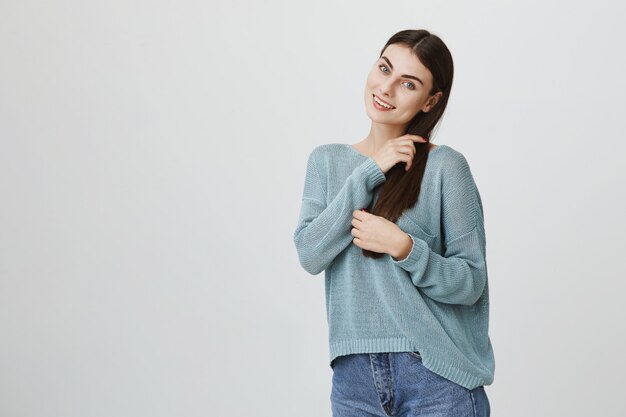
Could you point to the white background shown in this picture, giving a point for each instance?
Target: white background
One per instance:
(152, 161)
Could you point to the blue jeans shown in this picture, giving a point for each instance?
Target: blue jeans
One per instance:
(398, 384)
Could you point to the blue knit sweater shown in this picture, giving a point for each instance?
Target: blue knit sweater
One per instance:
(436, 300)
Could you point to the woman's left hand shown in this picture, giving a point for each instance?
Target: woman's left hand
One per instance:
(377, 234)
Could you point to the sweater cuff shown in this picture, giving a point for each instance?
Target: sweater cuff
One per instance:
(411, 259)
(373, 174)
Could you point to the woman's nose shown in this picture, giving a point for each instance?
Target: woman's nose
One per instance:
(385, 88)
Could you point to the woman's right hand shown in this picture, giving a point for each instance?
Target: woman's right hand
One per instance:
(400, 149)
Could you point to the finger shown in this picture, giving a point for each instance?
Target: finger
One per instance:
(405, 147)
(360, 214)
(408, 160)
(408, 148)
(417, 138)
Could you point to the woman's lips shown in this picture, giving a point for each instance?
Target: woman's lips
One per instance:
(378, 106)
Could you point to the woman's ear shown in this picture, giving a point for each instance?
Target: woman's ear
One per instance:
(431, 102)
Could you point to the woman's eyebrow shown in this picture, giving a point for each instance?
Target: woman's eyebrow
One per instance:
(404, 75)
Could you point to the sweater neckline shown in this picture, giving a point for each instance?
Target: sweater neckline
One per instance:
(365, 156)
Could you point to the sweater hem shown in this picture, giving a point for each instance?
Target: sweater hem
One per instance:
(430, 360)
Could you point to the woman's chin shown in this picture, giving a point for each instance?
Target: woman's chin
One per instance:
(375, 115)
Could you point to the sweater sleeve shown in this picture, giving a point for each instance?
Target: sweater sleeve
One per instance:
(324, 230)
(459, 276)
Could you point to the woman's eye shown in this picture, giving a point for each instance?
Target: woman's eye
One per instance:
(410, 85)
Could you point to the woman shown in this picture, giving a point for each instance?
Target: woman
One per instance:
(397, 225)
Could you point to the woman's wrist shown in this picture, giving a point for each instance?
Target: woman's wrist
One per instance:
(402, 247)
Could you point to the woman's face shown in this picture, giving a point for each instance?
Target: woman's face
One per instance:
(401, 80)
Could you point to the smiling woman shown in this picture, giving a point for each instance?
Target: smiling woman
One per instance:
(383, 71)
(403, 95)
(397, 225)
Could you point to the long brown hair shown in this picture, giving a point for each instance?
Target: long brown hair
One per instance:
(401, 188)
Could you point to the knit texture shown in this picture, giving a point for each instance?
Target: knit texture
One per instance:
(436, 300)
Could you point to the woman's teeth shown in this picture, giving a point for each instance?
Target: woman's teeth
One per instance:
(387, 106)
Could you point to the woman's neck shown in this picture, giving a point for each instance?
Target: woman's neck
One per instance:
(379, 134)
